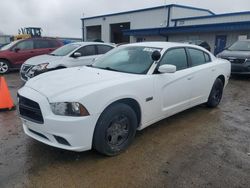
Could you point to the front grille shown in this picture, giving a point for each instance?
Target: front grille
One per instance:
(30, 110)
(236, 61)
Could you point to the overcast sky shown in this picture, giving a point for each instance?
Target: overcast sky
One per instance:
(62, 17)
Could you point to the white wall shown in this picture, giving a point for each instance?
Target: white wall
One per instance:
(213, 20)
(138, 20)
(179, 12)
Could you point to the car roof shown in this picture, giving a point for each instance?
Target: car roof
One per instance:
(164, 45)
(91, 43)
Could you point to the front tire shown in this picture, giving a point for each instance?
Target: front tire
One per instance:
(215, 94)
(115, 129)
(4, 66)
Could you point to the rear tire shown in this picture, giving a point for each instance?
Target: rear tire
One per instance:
(115, 129)
(4, 66)
(215, 94)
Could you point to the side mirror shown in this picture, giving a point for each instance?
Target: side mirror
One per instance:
(16, 49)
(167, 68)
(156, 55)
(77, 54)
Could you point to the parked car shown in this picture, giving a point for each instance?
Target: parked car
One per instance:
(70, 55)
(201, 43)
(13, 55)
(239, 56)
(127, 89)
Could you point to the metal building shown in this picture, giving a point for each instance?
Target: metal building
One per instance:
(169, 23)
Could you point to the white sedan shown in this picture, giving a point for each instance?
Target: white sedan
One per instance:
(127, 89)
(70, 55)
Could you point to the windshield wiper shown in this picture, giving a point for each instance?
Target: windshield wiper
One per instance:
(107, 68)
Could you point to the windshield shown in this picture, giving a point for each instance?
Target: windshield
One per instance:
(240, 46)
(128, 59)
(8, 46)
(65, 50)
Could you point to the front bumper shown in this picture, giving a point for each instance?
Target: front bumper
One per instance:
(70, 133)
(243, 68)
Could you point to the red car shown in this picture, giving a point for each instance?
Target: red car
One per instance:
(13, 55)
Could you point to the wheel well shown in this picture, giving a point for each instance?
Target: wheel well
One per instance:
(222, 78)
(133, 104)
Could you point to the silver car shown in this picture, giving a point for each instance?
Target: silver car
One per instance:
(70, 55)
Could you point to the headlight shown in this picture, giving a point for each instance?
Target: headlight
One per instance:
(69, 109)
(39, 67)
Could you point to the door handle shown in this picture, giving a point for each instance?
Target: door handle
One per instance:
(190, 78)
(213, 70)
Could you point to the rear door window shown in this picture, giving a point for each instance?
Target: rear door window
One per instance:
(102, 49)
(42, 44)
(197, 57)
(177, 57)
(207, 57)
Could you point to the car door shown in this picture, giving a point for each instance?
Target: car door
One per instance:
(88, 55)
(203, 73)
(173, 90)
(21, 52)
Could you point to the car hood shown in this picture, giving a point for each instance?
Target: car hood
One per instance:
(59, 82)
(236, 54)
(43, 59)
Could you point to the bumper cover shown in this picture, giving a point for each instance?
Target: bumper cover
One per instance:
(240, 68)
(77, 131)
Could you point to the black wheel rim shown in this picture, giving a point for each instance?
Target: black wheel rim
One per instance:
(217, 94)
(118, 131)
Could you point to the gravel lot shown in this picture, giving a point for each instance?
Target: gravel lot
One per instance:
(200, 147)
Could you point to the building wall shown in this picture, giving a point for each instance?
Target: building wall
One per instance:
(153, 18)
(179, 12)
(138, 20)
(5, 39)
(214, 20)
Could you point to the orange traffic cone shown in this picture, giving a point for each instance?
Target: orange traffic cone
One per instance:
(6, 102)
